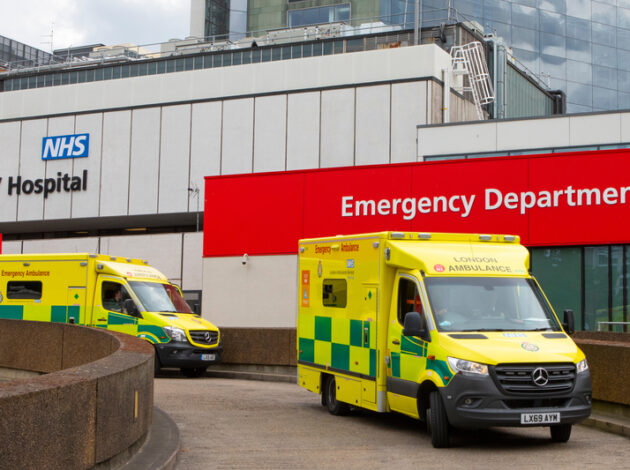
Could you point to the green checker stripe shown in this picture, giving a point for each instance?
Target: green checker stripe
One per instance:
(412, 346)
(441, 368)
(61, 313)
(322, 328)
(114, 319)
(156, 331)
(340, 356)
(306, 350)
(12, 312)
(356, 333)
(395, 361)
(372, 362)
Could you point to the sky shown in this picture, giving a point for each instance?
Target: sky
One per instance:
(82, 22)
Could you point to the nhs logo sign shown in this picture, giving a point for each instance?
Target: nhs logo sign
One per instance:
(65, 146)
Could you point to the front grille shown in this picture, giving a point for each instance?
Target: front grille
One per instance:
(518, 378)
(204, 336)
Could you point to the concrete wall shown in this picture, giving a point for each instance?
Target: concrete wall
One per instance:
(93, 403)
(505, 135)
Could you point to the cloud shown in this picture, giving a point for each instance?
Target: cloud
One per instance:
(82, 22)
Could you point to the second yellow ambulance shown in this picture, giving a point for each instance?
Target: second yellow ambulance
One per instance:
(447, 328)
(120, 294)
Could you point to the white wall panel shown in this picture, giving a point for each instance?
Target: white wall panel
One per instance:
(303, 131)
(192, 261)
(409, 101)
(163, 251)
(145, 161)
(338, 127)
(12, 247)
(270, 133)
(470, 138)
(86, 203)
(32, 167)
(582, 128)
(544, 132)
(238, 133)
(174, 159)
(205, 151)
(115, 163)
(62, 245)
(372, 125)
(9, 166)
(625, 127)
(58, 204)
(262, 294)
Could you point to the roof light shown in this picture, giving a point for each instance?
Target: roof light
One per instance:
(509, 238)
(485, 238)
(397, 235)
(424, 236)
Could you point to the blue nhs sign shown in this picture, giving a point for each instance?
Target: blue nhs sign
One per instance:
(65, 146)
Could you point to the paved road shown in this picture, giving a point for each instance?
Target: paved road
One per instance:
(241, 424)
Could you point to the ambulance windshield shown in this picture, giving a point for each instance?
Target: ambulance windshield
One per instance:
(157, 297)
(489, 304)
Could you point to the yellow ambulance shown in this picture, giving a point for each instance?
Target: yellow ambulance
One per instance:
(120, 294)
(451, 329)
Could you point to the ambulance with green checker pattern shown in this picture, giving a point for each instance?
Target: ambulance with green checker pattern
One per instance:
(451, 329)
(119, 294)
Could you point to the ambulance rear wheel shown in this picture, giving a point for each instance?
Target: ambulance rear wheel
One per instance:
(193, 372)
(438, 421)
(334, 407)
(560, 432)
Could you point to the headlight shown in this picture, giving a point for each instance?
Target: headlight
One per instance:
(176, 334)
(467, 367)
(582, 366)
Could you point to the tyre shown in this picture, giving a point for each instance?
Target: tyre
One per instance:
(560, 432)
(438, 421)
(193, 372)
(335, 407)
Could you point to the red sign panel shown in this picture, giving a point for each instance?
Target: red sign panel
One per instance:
(560, 199)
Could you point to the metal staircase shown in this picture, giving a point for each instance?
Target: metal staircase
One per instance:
(469, 62)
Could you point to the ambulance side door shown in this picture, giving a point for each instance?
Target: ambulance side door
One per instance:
(406, 356)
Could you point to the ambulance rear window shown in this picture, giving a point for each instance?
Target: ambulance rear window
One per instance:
(335, 293)
(24, 290)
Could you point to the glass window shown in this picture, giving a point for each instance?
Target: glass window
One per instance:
(580, 70)
(247, 57)
(256, 56)
(142, 69)
(354, 45)
(328, 48)
(603, 98)
(552, 23)
(408, 299)
(553, 66)
(217, 60)
(189, 62)
(334, 293)
(552, 44)
(24, 290)
(623, 18)
(558, 6)
(524, 17)
(497, 10)
(161, 66)
(579, 9)
(89, 75)
(578, 28)
(115, 72)
(107, 73)
(133, 70)
(604, 55)
(180, 64)
(623, 38)
(488, 304)
(124, 71)
(237, 58)
(317, 48)
(604, 34)
(170, 66)
(286, 52)
(114, 295)
(158, 297)
(578, 50)
(266, 55)
(596, 286)
(579, 93)
(604, 77)
(603, 13)
(307, 50)
(617, 285)
(296, 51)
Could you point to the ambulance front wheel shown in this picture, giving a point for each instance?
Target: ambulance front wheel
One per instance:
(438, 421)
(560, 432)
(334, 407)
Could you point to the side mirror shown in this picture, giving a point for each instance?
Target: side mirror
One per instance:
(130, 308)
(415, 325)
(569, 321)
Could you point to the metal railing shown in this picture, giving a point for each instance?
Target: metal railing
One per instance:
(600, 323)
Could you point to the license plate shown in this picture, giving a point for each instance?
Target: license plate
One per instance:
(540, 418)
(207, 357)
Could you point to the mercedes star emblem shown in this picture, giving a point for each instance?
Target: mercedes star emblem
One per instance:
(540, 376)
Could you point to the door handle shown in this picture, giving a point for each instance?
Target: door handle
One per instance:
(395, 341)
(102, 319)
(365, 335)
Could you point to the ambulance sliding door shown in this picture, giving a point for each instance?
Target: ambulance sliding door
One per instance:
(75, 310)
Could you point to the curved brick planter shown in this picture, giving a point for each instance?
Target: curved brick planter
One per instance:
(94, 402)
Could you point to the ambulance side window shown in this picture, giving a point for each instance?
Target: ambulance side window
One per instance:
(114, 296)
(335, 293)
(408, 299)
(24, 290)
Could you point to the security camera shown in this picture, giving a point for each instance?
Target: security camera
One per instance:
(244, 259)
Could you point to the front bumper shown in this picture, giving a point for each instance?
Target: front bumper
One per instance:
(186, 355)
(476, 402)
